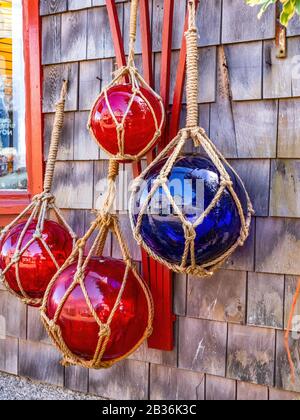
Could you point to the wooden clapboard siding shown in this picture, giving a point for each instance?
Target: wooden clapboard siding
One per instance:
(229, 331)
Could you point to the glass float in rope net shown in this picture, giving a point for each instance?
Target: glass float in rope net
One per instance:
(190, 213)
(103, 281)
(127, 119)
(98, 310)
(34, 268)
(33, 247)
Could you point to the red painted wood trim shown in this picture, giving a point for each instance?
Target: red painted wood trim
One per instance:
(158, 278)
(11, 203)
(161, 279)
(116, 32)
(146, 41)
(179, 85)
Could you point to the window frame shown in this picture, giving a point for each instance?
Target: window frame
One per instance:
(13, 202)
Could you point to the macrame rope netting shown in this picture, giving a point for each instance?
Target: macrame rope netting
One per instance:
(39, 209)
(104, 223)
(172, 152)
(132, 76)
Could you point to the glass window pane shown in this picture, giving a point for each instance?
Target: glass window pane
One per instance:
(13, 174)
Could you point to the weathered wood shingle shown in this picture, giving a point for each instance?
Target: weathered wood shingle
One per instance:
(202, 345)
(240, 22)
(175, 384)
(251, 354)
(220, 298)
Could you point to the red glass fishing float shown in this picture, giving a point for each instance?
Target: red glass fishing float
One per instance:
(29, 272)
(128, 117)
(98, 310)
(126, 122)
(33, 247)
(103, 282)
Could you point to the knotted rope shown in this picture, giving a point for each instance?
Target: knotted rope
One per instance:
(172, 152)
(104, 223)
(132, 76)
(39, 209)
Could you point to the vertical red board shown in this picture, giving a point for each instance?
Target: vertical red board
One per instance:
(157, 276)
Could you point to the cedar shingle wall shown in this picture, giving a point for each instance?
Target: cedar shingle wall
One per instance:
(229, 333)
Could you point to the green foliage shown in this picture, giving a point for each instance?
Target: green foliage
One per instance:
(289, 8)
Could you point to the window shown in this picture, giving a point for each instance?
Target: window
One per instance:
(13, 175)
(21, 151)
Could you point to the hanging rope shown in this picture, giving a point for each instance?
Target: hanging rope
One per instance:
(172, 152)
(287, 333)
(39, 209)
(105, 222)
(132, 76)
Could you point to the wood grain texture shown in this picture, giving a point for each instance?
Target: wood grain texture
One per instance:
(250, 392)
(283, 372)
(67, 196)
(220, 389)
(48, 7)
(265, 300)
(202, 346)
(40, 362)
(255, 174)
(289, 129)
(175, 384)
(251, 354)
(294, 26)
(85, 147)
(77, 378)
(243, 257)
(256, 129)
(51, 39)
(89, 83)
(15, 322)
(240, 23)
(9, 350)
(245, 63)
(209, 16)
(79, 4)
(74, 36)
(281, 77)
(53, 79)
(285, 188)
(222, 123)
(76, 219)
(128, 380)
(180, 294)
(277, 246)
(35, 329)
(278, 395)
(66, 143)
(220, 298)
(99, 39)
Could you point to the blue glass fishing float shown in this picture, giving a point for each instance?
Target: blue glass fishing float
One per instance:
(190, 213)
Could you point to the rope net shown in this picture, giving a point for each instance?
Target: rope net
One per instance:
(39, 209)
(131, 75)
(104, 223)
(172, 152)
